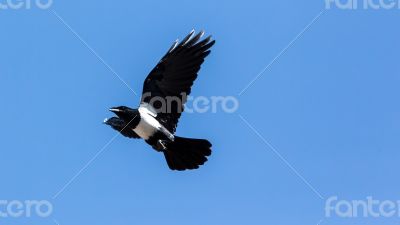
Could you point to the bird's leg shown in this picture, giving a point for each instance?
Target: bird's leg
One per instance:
(161, 145)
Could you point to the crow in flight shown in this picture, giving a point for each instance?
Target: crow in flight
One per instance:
(164, 94)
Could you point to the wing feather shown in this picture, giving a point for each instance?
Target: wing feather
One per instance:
(174, 75)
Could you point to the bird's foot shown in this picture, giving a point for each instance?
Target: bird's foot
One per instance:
(161, 145)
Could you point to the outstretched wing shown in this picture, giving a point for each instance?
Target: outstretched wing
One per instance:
(120, 125)
(167, 86)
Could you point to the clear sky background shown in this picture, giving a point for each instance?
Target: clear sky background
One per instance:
(328, 106)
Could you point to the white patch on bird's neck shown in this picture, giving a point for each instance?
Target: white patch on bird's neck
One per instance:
(147, 108)
(148, 125)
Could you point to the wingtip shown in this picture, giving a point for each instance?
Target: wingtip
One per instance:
(187, 38)
(202, 32)
(212, 42)
(173, 45)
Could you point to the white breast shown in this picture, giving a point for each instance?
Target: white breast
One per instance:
(147, 126)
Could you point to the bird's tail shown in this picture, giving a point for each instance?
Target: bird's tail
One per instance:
(187, 153)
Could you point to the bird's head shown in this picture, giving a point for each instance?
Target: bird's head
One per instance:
(124, 112)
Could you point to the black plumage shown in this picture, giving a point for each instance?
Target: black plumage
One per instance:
(172, 78)
(174, 75)
(120, 125)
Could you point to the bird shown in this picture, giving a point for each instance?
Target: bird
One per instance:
(164, 94)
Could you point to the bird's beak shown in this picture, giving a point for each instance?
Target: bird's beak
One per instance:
(114, 110)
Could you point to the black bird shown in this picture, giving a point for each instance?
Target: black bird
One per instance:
(163, 97)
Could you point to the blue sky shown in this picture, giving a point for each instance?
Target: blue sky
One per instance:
(321, 121)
